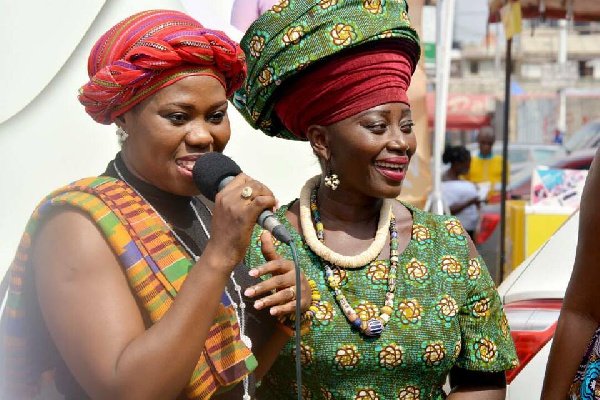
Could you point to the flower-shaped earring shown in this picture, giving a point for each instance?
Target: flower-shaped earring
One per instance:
(332, 181)
(122, 135)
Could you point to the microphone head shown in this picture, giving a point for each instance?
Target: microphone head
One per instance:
(210, 170)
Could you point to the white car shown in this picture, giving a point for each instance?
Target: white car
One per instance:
(532, 296)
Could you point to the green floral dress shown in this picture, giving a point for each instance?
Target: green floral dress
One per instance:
(446, 312)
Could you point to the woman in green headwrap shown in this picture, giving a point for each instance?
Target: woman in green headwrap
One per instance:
(401, 299)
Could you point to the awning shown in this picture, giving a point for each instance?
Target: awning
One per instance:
(464, 111)
(580, 10)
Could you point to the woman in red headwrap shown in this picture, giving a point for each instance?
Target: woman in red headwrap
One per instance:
(402, 299)
(128, 285)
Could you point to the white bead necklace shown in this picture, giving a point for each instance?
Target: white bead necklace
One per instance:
(242, 306)
(311, 239)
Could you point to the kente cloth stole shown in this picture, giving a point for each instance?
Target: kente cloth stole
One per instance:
(156, 266)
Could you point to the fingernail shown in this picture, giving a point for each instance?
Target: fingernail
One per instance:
(273, 311)
(258, 304)
(249, 292)
(253, 272)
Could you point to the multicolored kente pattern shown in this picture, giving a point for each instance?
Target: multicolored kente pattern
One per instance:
(296, 33)
(447, 313)
(156, 266)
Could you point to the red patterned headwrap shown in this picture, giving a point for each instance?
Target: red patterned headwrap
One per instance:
(343, 86)
(151, 50)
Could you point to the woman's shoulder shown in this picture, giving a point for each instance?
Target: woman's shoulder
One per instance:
(435, 225)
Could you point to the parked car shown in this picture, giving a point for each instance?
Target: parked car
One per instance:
(487, 238)
(532, 296)
(521, 155)
(585, 137)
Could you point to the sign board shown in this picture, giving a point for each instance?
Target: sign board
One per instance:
(428, 33)
(559, 75)
(557, 187)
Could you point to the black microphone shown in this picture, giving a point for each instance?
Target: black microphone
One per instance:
(213, 171)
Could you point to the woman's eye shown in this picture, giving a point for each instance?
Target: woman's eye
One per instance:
(377, 127)
(177, 118)
(407, 127)
(217, 117)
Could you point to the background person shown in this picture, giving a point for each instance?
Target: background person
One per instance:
(401, 295)
(574, 360)
(127, 285)
(486, 167)
(245, 12)
(461, 196)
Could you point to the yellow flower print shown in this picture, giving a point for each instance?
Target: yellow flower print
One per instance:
(385, 35)
(266, 76)
(367, 310)
(325, 4)
(373, 6)
(457, 349)
(505, 327)
(343, 34)
(391, 356)
(255, 115)
(447, 308)
(481, 308)
(278, 8)
(421, 233)
(485, 350)
(266, 124)
(340, 275)
(346, 357)
(377, 271)
(306, 393)
(366, 394)
(454, 227)
(303, 65)
(404, 17)
(324, 313)
(417, 271)
(410, 393)
(474, 269)
(257, 44)
(293, 35)
(434, 353)
(409, 311)
(327, 395)
(307, 354)
(451, 266)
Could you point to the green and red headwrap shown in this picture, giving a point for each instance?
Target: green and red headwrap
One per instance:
(151, 50)
(324, 60)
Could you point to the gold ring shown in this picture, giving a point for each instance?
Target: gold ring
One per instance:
(293, 292)
(246, 192)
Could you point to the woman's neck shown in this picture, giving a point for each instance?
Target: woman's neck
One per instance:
(347, 208)
(450, 175)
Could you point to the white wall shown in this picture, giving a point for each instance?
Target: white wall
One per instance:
(47, 139)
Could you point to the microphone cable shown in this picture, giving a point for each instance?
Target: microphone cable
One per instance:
(298, 316)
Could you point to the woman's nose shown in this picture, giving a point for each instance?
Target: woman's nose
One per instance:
(199, 136)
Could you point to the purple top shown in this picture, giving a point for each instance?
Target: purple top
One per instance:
(245, 12)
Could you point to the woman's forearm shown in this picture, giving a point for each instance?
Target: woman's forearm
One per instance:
(573, 333)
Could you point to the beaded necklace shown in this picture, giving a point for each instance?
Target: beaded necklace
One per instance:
(374, 326)
(348, 262)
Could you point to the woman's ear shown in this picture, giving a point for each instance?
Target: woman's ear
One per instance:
(317, 135)
(120, 122)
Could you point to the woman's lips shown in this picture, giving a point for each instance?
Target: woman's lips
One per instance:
(394, 169)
